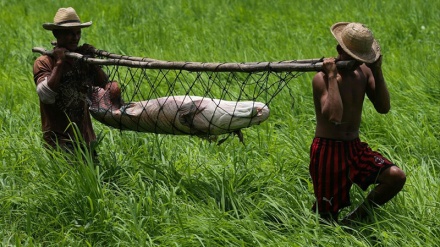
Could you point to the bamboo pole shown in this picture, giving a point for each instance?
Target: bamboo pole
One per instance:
(282, 66)
(118, 56)
(145, 59)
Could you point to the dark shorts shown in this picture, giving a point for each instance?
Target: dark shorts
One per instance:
(336, 165)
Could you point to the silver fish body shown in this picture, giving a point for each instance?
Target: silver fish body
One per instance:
(179, 115)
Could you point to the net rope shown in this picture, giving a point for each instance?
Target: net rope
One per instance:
(140, 84)
(188, 98)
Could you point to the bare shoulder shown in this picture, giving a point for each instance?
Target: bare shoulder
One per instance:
(366, 70)
(318, 77)
(318, 80)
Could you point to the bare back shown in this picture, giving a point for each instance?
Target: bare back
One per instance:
(352, 89)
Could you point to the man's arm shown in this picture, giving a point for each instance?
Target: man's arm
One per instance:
(47, 75)
(54, 78)
(326, 90)
(377, 90)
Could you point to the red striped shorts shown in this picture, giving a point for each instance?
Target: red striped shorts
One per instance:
(336, 165)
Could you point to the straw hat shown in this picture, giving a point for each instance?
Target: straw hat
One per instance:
(66, 18)
(357, 40)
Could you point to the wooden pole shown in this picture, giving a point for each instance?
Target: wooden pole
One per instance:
(145, 59)
(305, 65)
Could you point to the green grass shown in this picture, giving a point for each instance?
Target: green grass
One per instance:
(158, 190)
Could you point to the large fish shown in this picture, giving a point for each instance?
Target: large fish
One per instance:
(177, 115)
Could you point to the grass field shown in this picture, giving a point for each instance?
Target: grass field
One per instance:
(159, 190)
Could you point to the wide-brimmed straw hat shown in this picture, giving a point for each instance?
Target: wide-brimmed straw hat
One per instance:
(66, 18)
(357, 40)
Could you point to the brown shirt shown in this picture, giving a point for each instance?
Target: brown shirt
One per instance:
(71, 101)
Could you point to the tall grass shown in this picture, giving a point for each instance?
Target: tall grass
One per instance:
(158, 190)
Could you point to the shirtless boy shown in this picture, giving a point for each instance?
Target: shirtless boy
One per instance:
(337, 156)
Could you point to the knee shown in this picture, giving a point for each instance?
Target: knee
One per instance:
(397, 177)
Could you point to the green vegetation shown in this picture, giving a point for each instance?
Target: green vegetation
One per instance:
(157, 190)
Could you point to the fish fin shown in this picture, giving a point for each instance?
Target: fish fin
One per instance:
(240, 135)
(236, 132)
(188, 112)
(223, 140)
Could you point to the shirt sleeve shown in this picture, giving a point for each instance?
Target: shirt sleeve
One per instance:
(43, 67)
(46, 95)
(42, 70)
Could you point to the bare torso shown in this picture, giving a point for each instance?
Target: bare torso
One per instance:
(352, 89)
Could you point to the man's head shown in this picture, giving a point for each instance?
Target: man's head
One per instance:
(357, 41)
(66, 28)
(67, 38)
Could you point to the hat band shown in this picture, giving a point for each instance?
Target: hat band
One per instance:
(68, 21)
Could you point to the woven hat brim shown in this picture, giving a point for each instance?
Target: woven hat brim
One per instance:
(53, 26)
(370, 57)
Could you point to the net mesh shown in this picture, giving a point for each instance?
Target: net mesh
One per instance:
(187, 98)
(202, 103)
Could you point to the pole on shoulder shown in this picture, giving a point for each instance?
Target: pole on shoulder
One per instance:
(304, 65)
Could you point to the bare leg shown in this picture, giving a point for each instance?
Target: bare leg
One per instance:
(390, 182)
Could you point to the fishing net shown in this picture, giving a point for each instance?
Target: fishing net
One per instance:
(187, 98)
